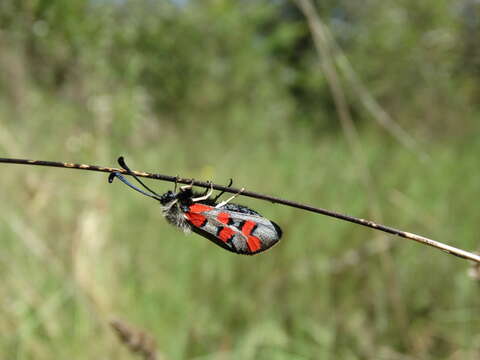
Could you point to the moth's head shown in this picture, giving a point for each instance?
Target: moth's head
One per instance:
(168, 197)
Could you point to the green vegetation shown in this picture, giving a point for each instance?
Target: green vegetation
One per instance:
(221, 89)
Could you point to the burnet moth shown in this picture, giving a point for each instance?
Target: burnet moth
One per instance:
(234, 227)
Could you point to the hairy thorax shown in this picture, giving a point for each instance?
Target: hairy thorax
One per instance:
(175, 216)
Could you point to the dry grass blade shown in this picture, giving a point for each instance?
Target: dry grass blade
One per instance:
(137, 341)
(331, 53)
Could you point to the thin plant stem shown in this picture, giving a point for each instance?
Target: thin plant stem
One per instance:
(368, 223)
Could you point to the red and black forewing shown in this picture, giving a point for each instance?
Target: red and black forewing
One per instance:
(242, 232)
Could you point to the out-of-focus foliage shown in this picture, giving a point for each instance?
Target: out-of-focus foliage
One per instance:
(231, 55)
(219, 89)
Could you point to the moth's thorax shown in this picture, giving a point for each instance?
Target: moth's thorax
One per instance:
(183, 197)
(175, 216)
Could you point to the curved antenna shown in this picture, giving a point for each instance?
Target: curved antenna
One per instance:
(113, 175)
(121, 162)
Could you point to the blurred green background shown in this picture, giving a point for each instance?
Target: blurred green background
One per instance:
(223, 89)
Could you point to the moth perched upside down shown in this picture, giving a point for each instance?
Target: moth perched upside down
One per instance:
(234, 227)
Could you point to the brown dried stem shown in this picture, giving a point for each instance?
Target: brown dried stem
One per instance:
(137, 341)
(368, 223)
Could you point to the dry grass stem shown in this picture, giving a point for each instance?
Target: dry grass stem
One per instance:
(175, 179)
(137, 341)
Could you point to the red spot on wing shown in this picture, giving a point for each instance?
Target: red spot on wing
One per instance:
(195, 219)
(198, 208)
(226, 234)
(223, 217)
(254, 243)
(194, 215)
(248, 227)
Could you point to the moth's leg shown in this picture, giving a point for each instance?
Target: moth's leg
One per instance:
(206, 189)
(206, 196)
(225, 202)
(221, 193)
(186, 187)
(176, 183)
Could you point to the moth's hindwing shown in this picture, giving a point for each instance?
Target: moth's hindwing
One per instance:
(243, 231)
